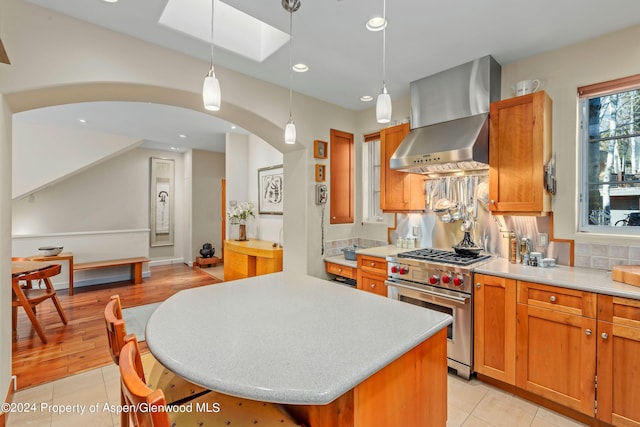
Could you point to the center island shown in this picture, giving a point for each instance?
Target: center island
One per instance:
(335, 356)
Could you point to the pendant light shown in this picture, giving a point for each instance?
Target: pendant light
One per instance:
(290, 129)
(211, 95)
(383, 104)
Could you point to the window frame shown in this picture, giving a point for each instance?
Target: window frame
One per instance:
(585, 94)
(373, 213)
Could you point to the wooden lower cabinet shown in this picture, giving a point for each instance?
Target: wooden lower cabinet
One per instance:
(618, 338)
(495, 327)
(372, 273)
(576, 349)
(556, 345)
(340, 270)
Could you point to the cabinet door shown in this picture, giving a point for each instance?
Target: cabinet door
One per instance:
(495, 327)
(556, 356)
(618, 361)
(399, 191)
(520, 145)
(341, 191)
(373, 283)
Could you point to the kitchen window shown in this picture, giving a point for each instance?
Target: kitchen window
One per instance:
(371, 181)
(610, 156)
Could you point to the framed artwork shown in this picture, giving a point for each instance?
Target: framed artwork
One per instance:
(162, 198)
(320, 173)
(320, 149)
(270, 190)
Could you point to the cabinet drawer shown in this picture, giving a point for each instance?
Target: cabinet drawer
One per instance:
(559, 299)
(372, 264)
(618, 310)
(340, 270)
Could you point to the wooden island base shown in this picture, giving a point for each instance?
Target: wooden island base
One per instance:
(410, 392)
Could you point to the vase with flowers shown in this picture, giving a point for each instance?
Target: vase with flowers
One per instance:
(238, 214)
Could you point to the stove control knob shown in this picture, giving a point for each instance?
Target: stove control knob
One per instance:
(434, 279)
(458, 281)
(404, 270)
(446, 278)
(394, 268)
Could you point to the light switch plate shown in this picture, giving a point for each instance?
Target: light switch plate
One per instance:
(543, 239)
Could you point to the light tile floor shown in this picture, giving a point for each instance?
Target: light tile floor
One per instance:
(58, 404)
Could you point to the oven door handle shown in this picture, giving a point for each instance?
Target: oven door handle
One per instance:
(452, 298)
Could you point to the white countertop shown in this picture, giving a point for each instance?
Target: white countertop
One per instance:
(284, 337)
(584, 279)
(339, 259)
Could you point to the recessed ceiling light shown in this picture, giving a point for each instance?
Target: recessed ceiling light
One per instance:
(233, 126)
(110, 1)
(182, 135)
(366, 98)
(300, 68)
(82, 120)
(175, 148)
(376, 24)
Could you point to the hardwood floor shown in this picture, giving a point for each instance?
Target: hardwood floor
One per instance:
(82, 344)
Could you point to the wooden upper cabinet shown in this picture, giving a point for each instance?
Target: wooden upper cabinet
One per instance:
(399, 191)
(520, 146)
(341, 191)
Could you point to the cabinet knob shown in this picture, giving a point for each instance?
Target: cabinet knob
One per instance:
(373, 285)
(493, 202)
(604, 335)
(339, 270)
(333, 217)
(478, 285)
(373, 264)
(587, 332)
(552, 298)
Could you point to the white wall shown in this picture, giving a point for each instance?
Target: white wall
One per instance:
(61, 152)
(561, 72)
(5, 247)
(208, 173)
(261, 154)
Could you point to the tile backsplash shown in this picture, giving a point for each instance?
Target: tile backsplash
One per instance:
(334, 247)
(604, 257)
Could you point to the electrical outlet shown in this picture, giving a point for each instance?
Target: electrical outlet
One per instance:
(543, 239)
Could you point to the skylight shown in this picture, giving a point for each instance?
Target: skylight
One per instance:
(233, 30)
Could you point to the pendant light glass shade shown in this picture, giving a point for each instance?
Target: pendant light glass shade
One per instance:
(383, 106)
(211, 95)
(290, 132)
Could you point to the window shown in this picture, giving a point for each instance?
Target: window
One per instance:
(610, 156)
(371, 180)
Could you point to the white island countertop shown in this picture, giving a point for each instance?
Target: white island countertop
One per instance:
(284, 337)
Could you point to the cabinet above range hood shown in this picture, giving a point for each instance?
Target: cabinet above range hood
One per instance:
(450, 120)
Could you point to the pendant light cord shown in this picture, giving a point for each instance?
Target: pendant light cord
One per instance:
(211, 62)
(290, 63)
(384, 44)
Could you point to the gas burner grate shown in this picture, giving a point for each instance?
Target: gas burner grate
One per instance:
(436, 255)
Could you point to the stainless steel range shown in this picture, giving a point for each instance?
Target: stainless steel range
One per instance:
(440, 280)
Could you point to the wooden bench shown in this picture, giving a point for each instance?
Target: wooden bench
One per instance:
(135, 263)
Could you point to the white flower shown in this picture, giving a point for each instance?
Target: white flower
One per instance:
(240, 212)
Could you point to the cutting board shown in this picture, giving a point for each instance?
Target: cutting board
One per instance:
(629, 274)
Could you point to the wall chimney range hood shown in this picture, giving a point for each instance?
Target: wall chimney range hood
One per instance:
(450, 120)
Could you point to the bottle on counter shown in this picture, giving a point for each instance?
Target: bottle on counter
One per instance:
(513, 245)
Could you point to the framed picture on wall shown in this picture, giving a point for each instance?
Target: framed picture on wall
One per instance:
(320, 149)
(162, 198)
(270, 190)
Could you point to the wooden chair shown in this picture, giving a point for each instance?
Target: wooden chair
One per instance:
(175, 388)
(29, 296)
(211, 409)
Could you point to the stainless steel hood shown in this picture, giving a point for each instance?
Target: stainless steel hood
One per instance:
(450, 120)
